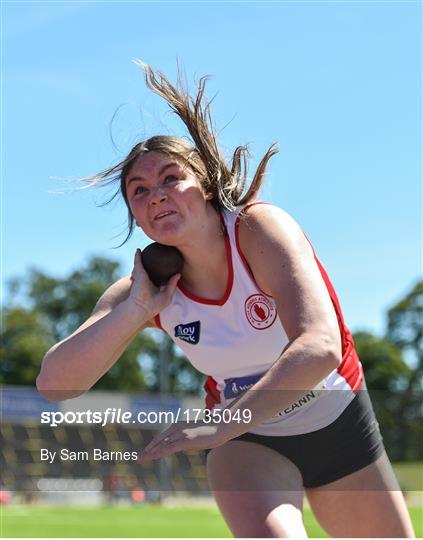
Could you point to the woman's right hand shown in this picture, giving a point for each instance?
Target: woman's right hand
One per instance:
(145, 295)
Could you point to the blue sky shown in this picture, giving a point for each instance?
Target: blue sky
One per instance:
(337, 84)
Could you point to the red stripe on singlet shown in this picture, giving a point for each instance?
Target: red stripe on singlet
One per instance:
(212, 393)
(350, 368)
(158, 321)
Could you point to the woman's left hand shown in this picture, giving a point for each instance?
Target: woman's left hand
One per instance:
(183, 436)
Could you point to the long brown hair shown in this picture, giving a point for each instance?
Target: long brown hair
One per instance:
(226, 182)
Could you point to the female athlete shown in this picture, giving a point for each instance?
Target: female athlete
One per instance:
(255, 311)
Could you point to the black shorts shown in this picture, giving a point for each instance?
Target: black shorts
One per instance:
(350, 443)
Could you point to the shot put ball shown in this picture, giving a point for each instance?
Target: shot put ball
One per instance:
(161, 262)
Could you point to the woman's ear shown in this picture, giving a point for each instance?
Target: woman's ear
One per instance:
(209, 196)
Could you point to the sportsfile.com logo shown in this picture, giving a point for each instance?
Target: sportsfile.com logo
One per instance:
(189, 332)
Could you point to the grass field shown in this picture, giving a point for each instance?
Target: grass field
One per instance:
(147, 521)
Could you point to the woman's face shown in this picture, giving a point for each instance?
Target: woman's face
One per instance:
(165, 198)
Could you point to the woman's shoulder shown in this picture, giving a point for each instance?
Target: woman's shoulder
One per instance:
(261, 219)
(266, 231)
(254, 212)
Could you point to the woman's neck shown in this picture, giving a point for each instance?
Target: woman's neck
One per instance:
(205, 271)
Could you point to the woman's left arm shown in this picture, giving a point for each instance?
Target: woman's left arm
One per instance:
(283, 265)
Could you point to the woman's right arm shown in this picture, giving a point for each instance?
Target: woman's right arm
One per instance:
(75, 364)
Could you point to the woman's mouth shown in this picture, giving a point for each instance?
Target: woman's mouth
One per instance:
(164, 214)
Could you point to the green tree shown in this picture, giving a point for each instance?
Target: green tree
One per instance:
(386, 375)
(45, 309)
(24, 341)
(394, 384)
(383, 363)
(405, 330)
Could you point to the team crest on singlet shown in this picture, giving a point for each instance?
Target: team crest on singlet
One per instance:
(260, 312)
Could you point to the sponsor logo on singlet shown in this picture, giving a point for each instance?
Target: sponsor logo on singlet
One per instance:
(237, 385)
(260, 312)
(300, 403)
(189, 332)
(306, 399)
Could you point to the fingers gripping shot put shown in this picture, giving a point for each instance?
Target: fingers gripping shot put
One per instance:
(237, 285)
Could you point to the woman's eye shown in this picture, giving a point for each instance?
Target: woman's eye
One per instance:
(140, 189)
(170, 178)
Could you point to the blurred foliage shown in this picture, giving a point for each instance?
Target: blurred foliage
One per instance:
(383, 363)
(25, 337)
(54, 308)
(405, 323)
(394, 385)
(386, 376)
(405, 330)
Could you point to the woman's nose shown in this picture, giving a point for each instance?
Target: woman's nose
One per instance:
(157, 195)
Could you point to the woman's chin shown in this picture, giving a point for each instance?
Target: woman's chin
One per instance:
(166, 238)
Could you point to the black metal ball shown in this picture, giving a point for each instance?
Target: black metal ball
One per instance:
(161, 262)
